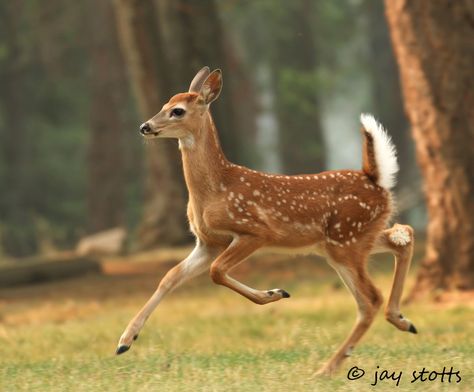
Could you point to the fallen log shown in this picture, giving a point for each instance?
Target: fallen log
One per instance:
(37, 270)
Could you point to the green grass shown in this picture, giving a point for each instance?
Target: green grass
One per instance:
(62, 337)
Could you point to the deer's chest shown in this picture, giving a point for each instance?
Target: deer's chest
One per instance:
(201, 228)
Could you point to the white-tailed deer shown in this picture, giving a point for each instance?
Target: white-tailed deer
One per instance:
(233, 211)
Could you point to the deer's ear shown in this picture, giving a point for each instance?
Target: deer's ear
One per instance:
(212, 86)
(198, 80)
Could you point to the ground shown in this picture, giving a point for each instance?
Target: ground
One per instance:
(62, 336)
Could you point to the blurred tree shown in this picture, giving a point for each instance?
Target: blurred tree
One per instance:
(435, 52)
(194, 37)
(280, 41)
(15, 137)
(105, 150)
(149, 73)
(386, 89)
(294, 66)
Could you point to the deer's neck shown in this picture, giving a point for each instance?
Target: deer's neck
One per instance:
(204, 162)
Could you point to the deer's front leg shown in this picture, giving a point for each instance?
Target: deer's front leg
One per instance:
(238, 251)
(196, 263)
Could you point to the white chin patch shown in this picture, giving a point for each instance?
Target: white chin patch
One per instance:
(400, 237)
(151, 136)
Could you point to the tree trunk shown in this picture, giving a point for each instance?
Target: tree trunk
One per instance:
(435, 52)
(105, 151)
(165, 203)
(16, 221)
(195, 37)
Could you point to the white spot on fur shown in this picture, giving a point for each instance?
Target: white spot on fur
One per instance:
(256, 193)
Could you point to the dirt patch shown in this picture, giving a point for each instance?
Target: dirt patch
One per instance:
(449, 299)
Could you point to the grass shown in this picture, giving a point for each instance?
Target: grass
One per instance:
(61, 336)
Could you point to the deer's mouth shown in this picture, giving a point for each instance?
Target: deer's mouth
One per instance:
(151, 134)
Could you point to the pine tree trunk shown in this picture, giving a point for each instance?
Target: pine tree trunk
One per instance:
(164, 219)
(105, 151)
(194, 34)
(434, 46)
(17, 228)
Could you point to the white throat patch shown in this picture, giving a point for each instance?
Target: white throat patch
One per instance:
(186, 142)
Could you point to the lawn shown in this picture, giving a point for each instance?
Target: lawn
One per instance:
(62, 336)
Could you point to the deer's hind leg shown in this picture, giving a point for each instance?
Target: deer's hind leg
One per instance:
(398, 240)
(368, 298)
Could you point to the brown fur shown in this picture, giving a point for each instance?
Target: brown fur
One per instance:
(369, 164)
(233, 211)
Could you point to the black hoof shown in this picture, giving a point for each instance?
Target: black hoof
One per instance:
(122, 349)
(412, 329)
(285, 294)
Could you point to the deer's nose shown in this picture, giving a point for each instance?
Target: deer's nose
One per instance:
(145, 128)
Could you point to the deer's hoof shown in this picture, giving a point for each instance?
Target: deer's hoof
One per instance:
(282, 293)
(412, 329)
(122, 349)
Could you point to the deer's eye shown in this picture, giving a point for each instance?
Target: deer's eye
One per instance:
(177, 112)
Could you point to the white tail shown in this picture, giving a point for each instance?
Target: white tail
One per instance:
(385, 152)
(234, 211)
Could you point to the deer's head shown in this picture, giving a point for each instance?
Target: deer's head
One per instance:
(183, 115)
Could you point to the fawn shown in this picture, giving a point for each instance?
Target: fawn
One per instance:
(234, 211)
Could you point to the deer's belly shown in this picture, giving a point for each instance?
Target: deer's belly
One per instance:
(314, 249)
